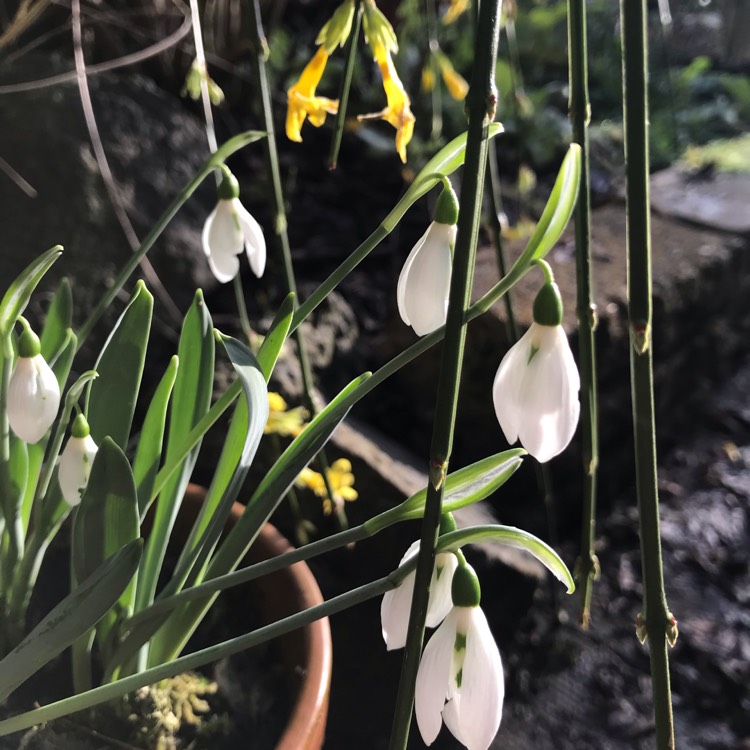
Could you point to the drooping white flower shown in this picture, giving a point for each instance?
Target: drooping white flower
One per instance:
(33, 397)
(460, 681)
(230, 228)
(536, 386)
(425, 280)
(396, 604)
(76, 461)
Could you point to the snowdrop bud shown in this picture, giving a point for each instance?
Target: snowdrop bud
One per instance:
(425, 280)
(76, 461)
(228, 229)
(33, 391)
(465, 588)
(536, 386)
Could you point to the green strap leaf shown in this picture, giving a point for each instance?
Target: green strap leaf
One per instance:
(240, 446)
(273, 342)
(17, 297)
(150, 443)
(463, 487)
(557, 212)
(59, 320)
(110, 402)
(191, 398)
(71, 618)
(445, 162)
(510, 537)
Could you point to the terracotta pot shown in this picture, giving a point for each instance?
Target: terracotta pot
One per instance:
(307, 652)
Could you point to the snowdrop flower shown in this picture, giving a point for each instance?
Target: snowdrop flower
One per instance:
(396, 604)
(76, 461)
(228, 229)
(425, 280)
(536, 386)
(460, 677)
(33, 391)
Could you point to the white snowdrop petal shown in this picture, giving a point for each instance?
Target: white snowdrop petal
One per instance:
(404, 277)
(75, 467)
(473, 716)
(33, 398)
(433, 677)
(255, 242)
(441, 600)
(424, 283)
(394, 613)
(506, 388)
(223, 241)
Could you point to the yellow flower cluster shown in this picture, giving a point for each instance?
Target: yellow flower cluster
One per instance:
(340, 479)
(457, 8)
(303, 102)
(283, 421)
(454, 81)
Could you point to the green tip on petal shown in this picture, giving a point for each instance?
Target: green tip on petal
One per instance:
(548, 306)
(80, 428)
(465, 588)
(446, 208)
(447, 524)
(28, 342)
(229, 188)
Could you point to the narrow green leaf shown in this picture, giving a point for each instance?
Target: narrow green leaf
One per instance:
(18, 469)
(59, 320)
(110, 402)
(71, 618)
(559, 208)
(107, 518)
(463, 487)
(445, 162)
(273, 342)
(240, 446)
(62, 361)
(510, 537)
(17, 297)
(148, 452)
(191, 398)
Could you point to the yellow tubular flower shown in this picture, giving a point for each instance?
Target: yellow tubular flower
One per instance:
(398, 112)
(303, 103)
(428, 78)
(457, 7)
(454, 82)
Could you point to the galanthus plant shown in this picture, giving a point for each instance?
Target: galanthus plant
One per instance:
(73, 458)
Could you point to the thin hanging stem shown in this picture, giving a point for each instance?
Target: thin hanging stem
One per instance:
(280, 225)
(433, 48)
(580, 115)
(480, 103)
(656, 622)
(346, 84)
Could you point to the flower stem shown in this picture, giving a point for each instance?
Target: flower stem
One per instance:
(656, 616)
(280, 225)
(580, 114)
(222, 153)
(481, 102)
(432, 48)
(346, 84)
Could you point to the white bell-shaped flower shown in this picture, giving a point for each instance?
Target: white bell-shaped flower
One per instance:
(230, 228)
(76, 461)
(536, 387)
(425, 280)
(460, 679)
(33, 391)
(396, 604)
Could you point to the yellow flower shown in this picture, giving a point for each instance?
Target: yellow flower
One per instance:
(454, 82)
(457, 7)
(340, 478)
(428, 78)
(287, 423)
(398, 112)
(303, 103)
